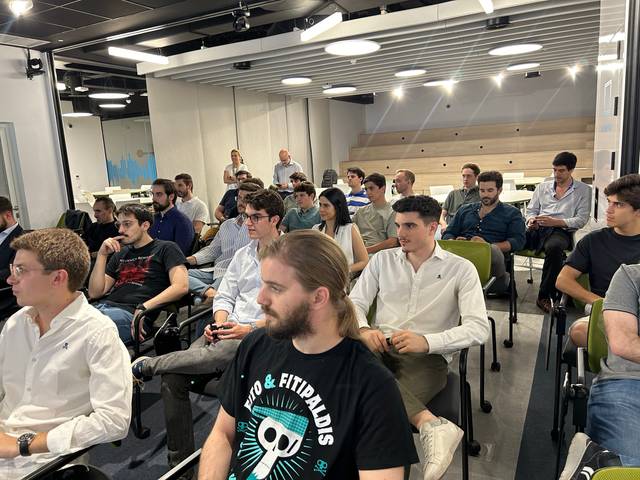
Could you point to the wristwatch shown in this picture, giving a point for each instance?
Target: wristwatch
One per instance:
(24, 442)
(254, 326)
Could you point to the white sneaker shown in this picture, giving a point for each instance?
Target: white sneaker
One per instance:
(439, 440)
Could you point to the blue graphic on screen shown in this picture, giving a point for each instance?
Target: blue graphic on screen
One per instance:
(130, 173)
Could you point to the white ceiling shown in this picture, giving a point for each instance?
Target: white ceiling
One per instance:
(449, 40)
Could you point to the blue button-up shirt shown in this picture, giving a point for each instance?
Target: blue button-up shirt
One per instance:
(574, 207)
(173, 226)
(503, 223)
(282, 172)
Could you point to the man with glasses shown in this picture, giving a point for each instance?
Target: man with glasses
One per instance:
(493, 222)
(236, 313)
(63, 369)
(134, 272)
(9, 229)
(232, 236)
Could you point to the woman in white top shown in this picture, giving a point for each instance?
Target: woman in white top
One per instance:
(231, 170)
(336, 223)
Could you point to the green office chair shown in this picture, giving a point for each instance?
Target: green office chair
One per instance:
(578, 392)
(479, 254)
(617, 473)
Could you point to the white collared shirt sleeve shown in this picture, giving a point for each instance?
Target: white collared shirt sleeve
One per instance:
(110, 389)
(474, 325)
(533, 207)
(229, 288)
(365, 290)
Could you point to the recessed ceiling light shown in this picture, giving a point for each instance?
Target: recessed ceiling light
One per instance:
(498, 79)
(338, 89)
(112, 105)
(522, 66)
(135, 55)
(19, 7)
(440, 83)
(295, 80)
(61, 86)
(81, 89)
(351, 48)
(77, 114)
(516, 49)
(410, 72)
(398, 92)
(108, 95)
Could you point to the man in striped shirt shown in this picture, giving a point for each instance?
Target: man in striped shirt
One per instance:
(357, 197)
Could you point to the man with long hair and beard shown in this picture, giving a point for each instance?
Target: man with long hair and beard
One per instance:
(303, 395)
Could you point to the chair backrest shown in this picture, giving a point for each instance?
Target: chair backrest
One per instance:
(440, 189)
(583, 280)
(76, 220)
(617, 473)
(478, 253)
(329, 177)
(509, 184)
(506, 175)
(447, 402)
(596, 340)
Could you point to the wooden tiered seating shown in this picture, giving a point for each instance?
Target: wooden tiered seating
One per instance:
(437, 155)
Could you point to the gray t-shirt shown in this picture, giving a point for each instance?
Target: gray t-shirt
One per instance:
(376, 224)
(457, 198)
(623, 296)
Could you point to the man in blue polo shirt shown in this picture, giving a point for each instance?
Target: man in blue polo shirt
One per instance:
(490, 221)
(169, 223)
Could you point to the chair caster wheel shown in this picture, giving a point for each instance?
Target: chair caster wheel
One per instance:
(495, 366)
(554, 435)
(474, 448)
(529, 280)
(508, 343)
(486, 407)
(144, 432)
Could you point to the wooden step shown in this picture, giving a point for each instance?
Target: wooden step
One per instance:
(472, 132)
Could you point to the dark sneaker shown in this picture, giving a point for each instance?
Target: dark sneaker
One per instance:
(544, 304)
(585, 457)
(136, 370)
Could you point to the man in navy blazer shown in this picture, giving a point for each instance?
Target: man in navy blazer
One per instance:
(9, 229)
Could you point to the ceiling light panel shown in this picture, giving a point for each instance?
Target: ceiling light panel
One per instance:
(108, 95)
(410, 72)
(339, 89)
(138, 56)
(352, 48)
(522, 66)
(323, 26)
(515, 49)
(295, 81)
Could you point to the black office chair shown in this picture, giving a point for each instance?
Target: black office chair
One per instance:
(80, 472)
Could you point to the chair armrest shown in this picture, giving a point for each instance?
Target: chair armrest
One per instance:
(183, 466)
(487, 286)
(55, 464)
(581, 378)
(194, 318)
(464, 353)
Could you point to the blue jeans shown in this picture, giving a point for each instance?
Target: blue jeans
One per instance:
(613, 418)
(121, 317)
(200, 281)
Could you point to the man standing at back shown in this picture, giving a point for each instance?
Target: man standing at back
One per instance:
(557, 209)
(169, 223)
(282, 171)
(9, 229)
(357, 197)
(376, 220)
(467, 194)
(63, 370)
(193, 208)
(303, 397)
(104, 227)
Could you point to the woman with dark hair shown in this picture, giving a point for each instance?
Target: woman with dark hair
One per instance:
(336, 223)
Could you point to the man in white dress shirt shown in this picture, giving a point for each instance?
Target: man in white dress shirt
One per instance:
(429, 305)
(64, 373)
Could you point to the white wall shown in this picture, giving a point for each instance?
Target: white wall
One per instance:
(28, 105)
(554, 95)
(347, 122)
(85, 150)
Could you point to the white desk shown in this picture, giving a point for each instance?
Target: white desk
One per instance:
(528, 181)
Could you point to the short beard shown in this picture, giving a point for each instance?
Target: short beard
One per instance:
(158, 208)
(296, 324)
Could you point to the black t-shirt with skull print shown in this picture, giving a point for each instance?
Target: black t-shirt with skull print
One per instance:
(322, 416)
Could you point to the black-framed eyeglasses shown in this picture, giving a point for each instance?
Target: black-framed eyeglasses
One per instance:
(255, 218)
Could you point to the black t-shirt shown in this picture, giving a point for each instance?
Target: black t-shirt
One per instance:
(230, 203)
(318, 416)
(98, 233)
(141, 273)
(600, 254)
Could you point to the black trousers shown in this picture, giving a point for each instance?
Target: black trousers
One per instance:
(553, 247)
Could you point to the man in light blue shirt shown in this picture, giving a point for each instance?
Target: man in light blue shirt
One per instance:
(236, 313)
(557, 209)
(282, 171)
